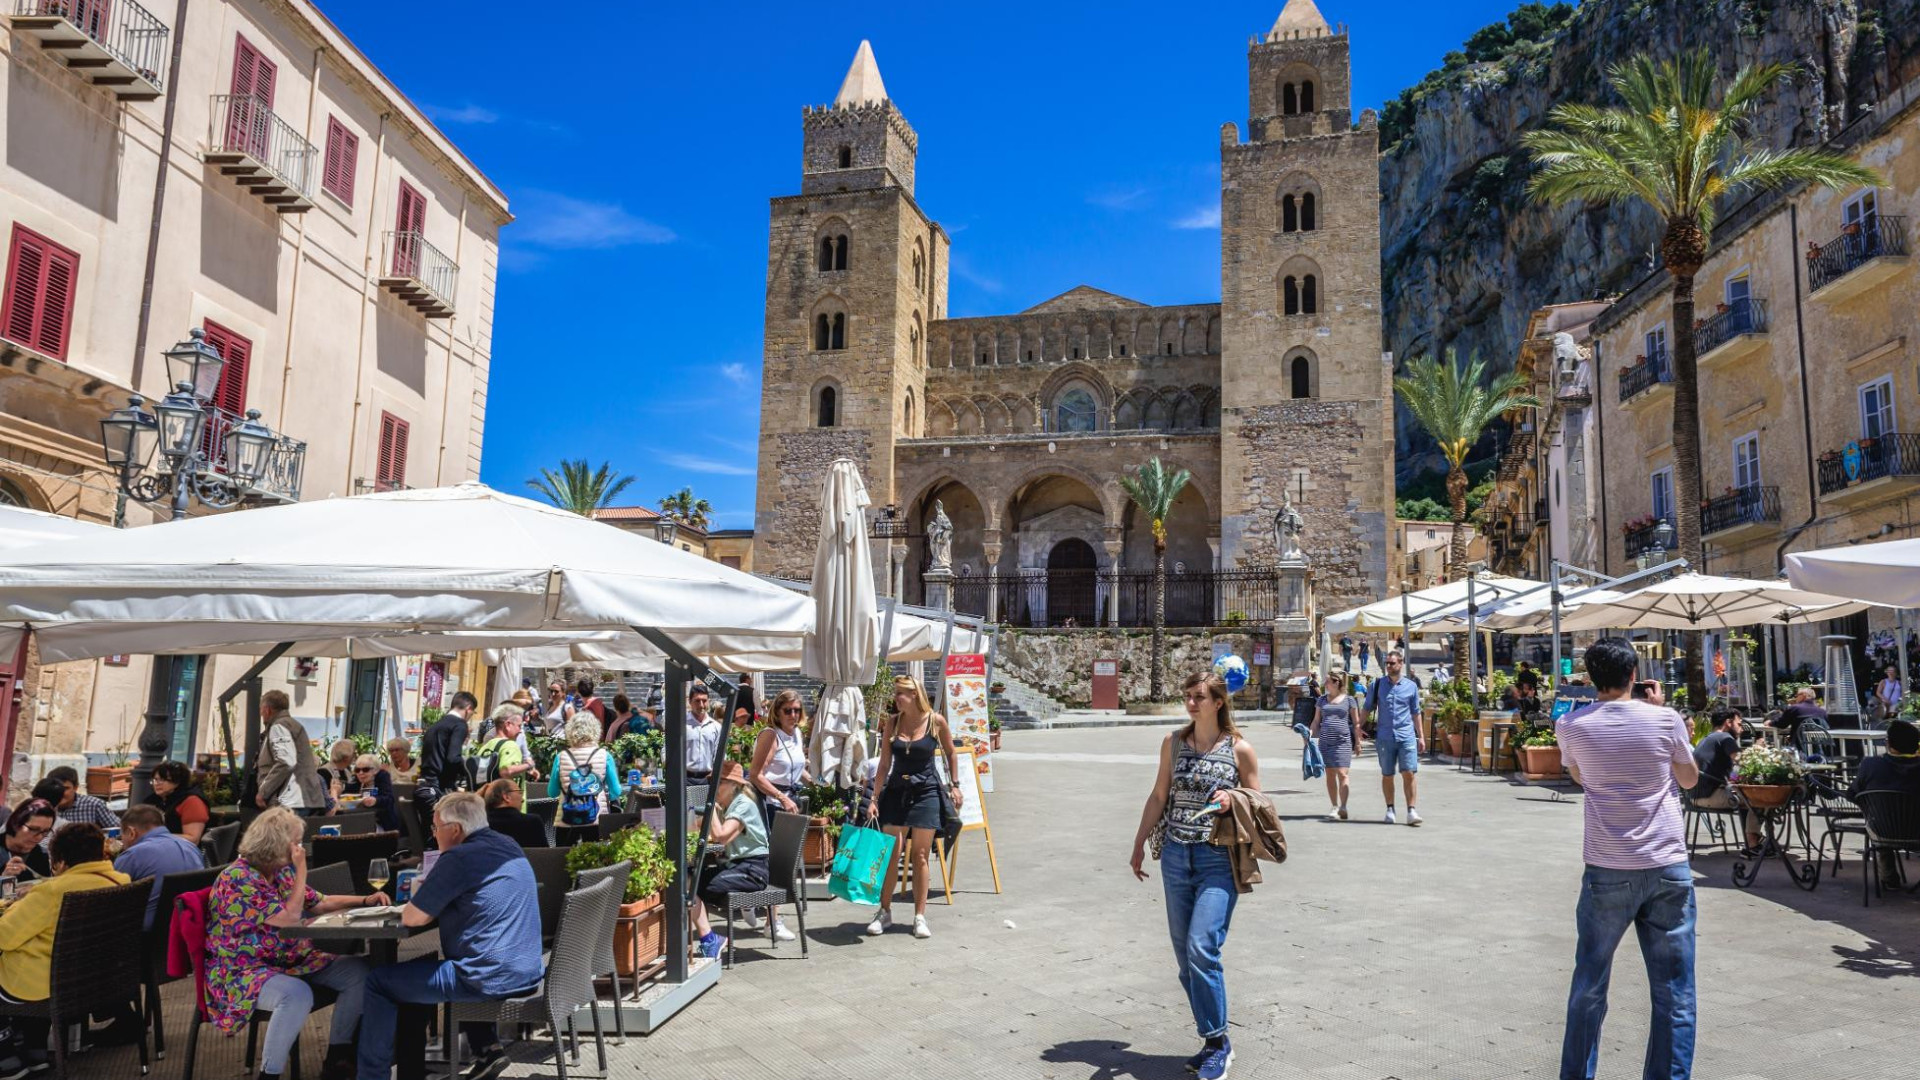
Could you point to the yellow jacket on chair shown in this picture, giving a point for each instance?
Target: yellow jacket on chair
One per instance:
(26, 930)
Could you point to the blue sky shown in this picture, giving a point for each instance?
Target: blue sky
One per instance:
(1060, 144)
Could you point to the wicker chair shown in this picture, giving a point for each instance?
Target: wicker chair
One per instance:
(220, 843)
(91, 963)
(356, 852)
(586, 920)
(1893, 825)
(783, 881)
(550, 874)
(603, 958)
(323, 997)
(611, 823)
(333, 879)
(154, 959)
(355, 823)
(410, 826)
(544, 811)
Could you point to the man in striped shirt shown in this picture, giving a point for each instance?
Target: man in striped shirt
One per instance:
(1633, 758)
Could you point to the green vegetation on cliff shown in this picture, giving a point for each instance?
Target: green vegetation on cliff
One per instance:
(1525, 37)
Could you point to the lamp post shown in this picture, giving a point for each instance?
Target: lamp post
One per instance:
(666, 530)
(218, 472)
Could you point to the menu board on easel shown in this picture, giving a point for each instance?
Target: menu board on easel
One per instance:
(967, 715)
(973, 817)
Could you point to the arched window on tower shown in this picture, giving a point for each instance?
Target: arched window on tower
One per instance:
(1289, 100)
(826, 409)
(1076, 410)
(1289, 296)
(1307, 223)
(833, 251)
(1309, 295)
(1306, 96)
(846, 157)
(826, 253)
(1289, 214)
(1300, 378)
(907, 418)
(830, 330)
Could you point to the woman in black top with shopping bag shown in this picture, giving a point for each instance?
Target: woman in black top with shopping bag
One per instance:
(910, 801)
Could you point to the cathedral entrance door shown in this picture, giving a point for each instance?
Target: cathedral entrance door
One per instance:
(1071, 570)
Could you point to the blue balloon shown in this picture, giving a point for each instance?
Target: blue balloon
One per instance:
(1232, 669)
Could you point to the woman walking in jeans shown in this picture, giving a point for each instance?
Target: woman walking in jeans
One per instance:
(1198, 764)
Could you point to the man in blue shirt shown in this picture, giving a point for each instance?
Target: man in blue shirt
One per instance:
(483, 893)
(152, 850)
(1394, 701)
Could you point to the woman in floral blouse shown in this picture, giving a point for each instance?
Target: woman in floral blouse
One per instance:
(250, 966)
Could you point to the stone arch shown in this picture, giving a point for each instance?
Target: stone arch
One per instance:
(1019, 414)
(1302, 204)
(970, 513)
(993, 415)
(1007, 345)
(1300, 370)
(966, 418)
(1058, 382)
(1159, 411)
(831, 243)
(826, 404)
(1213, 335)
(1193, 336)
(919, 266)
(1167, 338)
(916, 338)
(1144, 335)
(1112, 498)
(941, 422)
(1209, 407)
(1186, 411)
(830, 327)
(1297, 90)
(1100, 340)
(22, 491)
(906, 416)
(1300, 287)
(1130, 412)
(980, 348)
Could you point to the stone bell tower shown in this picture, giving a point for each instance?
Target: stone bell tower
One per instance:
(1306, 393)
(855, 272)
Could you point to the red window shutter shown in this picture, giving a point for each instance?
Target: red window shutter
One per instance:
(413, 210)
(390, 471)
(252, 73)
(231, 394)
(38, 307)
(343, 156)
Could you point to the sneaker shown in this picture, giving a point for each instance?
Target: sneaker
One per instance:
(780, 931)
(1390, 818)
(1413, 816)
(1343, 813)
(920, 928)
(880, 923)
(1193, 1063)
(1217, 1061)
(752, 920)
(1332, 815)
(711, 945)
(488, 1066)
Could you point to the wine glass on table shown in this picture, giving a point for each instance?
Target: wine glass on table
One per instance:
(378, 875)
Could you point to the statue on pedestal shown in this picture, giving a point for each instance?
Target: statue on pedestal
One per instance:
(1287, 527)
(940, 539)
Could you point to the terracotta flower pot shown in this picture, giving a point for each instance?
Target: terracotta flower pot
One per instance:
(996, 740)
(1765, 796)
(1540, 762)
(818, 849)
(105, 781)
(640, 934)
(1456, 744)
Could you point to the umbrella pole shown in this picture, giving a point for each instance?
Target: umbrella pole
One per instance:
(946, 650)
(1766, 661)
(1553, 599)
(1473, 634)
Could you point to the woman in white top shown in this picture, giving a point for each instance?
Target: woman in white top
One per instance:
(557, 711)
(780, 756)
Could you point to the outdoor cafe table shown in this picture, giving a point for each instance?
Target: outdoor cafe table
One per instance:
(1779, 826)
(1872, 742)
(382, 936)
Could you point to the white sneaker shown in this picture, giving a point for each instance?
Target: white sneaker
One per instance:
(1413, 816)
(880, 923)
(780, 931)
(920, 928)
(1332, 815)
(1343, 813)
(1390, 818)
(752, 921)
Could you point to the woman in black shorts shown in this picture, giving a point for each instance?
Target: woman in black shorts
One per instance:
(908, 803)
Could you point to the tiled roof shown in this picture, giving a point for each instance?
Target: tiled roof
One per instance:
(625, 513)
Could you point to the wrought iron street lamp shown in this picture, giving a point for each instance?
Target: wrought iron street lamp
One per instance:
(666, 530)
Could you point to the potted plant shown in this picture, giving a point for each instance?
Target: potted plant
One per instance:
(640, 935)
(828, 808)
(1540, 754)
(113, 778)
(993, 724)
(1767, 775)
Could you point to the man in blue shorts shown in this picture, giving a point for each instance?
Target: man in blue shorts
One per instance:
(1394, 701)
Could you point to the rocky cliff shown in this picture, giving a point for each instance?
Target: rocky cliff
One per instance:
(1466, 256)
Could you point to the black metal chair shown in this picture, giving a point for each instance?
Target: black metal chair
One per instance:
(1892, 825)
(323, 998)
(550, 874)
(91, 963)
(611, 823)
(1719, 837)
(220, 843)
(356, 852)
(1841, 815)
(353, 823)
(586, 920)
(544, 811)
(154, 958)
(784, 884)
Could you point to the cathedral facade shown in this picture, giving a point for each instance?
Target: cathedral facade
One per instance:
(1019, 426)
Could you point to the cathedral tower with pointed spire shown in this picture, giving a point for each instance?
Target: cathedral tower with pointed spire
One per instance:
(1306, 392)
(856, 272)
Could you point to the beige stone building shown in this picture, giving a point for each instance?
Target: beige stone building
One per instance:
(730, 547)
(249, 174)
(1809, 378)
(1421, 547)
(1018, 426)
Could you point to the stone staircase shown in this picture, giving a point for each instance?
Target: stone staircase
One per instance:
(1019, 706)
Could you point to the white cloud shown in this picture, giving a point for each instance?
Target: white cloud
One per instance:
(549, 219)
(465, 114)
(690, 463)
(1205, 217)
(1119, 198)
(963, 269)
(736, 373)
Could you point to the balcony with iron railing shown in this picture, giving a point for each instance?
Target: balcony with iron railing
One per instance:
(286, 462)
(368, 485)
(1871, 469)
(1865, 254)
(420, 274)
(262, 152)
(1641, 536)
(1653, 373)
(1736, 330)
(1741, 511)
(113, 43)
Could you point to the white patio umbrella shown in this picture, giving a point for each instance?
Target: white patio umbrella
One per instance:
(1708, 602)
(1531, 614)
(22, 528)
(1889, 571)
(843, 650)
(396, 563)
(1386, 614)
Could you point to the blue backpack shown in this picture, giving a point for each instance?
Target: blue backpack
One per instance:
(580, 791)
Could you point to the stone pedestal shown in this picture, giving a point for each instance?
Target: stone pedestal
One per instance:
(939, 583)
(1293, 630)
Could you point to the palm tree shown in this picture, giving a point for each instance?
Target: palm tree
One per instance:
(1677, 150)
(578, 489)
(1153, 489)
(687, 510)
(1451, 402)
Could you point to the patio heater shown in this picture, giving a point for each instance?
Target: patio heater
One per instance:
(1838, 690)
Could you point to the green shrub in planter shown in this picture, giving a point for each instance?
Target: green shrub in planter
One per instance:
(646, 849)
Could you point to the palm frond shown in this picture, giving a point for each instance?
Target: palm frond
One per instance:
(578, 488)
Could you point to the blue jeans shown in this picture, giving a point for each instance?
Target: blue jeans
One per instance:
(427, 982)
(1658, 904)
(1397, 755)
(1200, 899)
(290, 998)
(1312, 764)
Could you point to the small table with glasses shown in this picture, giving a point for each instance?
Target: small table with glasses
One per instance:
(381, 933)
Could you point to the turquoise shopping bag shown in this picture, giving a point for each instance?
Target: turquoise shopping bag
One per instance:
(861, 865)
